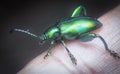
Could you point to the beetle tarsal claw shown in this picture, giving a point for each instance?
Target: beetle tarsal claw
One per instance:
(74, 61)
(114, 54)
(48, 54)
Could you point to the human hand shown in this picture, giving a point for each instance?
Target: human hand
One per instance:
(92, 58)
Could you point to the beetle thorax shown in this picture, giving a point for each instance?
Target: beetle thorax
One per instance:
(52, 32)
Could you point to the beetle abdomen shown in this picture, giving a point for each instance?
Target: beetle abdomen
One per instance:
(70, 29)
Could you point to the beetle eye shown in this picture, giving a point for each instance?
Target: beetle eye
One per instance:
(42, 38)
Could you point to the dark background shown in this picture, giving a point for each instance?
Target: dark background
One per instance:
(17, 49)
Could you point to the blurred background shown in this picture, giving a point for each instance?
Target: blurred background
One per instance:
(17, 49)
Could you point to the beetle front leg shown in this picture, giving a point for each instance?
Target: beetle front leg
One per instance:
(74, 61)
(49, 49)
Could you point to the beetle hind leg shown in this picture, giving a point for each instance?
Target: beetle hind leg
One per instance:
(113, 53)
(88, 37)
(79, 11)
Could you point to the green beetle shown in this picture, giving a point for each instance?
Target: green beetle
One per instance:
(78, 26)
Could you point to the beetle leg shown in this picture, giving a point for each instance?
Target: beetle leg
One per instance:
(79, 11)
(86, 37)
(113, 53)
(49, 49)
(89, 37)
(74, 61)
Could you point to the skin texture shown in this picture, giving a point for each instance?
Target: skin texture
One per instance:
(91, 56)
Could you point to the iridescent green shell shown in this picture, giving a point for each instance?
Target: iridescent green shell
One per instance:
(79, 23)
(72, 28)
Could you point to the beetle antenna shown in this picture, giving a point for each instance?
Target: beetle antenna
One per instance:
(26, 32)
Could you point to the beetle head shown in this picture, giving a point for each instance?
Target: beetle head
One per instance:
(42, 39)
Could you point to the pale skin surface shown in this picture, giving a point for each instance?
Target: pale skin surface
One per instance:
(92, 58)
